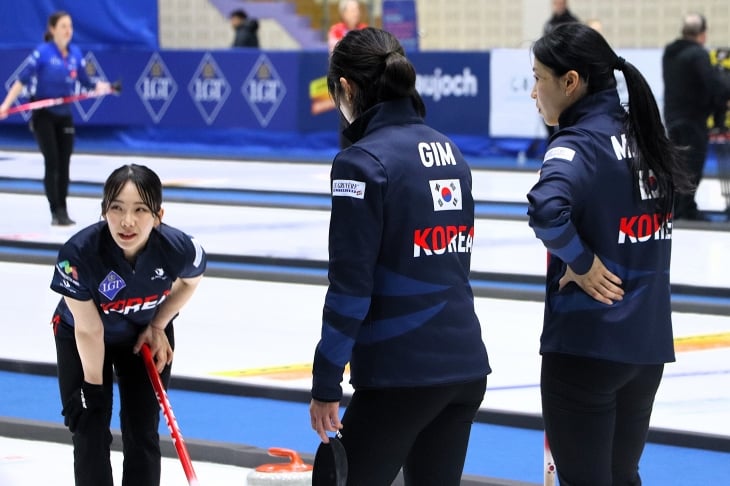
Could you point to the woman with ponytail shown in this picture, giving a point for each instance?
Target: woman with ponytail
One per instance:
(399, 307)
(603, 209)
(54, 70)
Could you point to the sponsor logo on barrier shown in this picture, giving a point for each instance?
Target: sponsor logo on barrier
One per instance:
(440, 85)
(28, 90)
(156, 87)
(96, 74)
(264, 90)
(209, 88)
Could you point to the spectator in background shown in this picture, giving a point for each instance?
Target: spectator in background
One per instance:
(350, 15)
(692, 88)
(561, 15)
(246, 29)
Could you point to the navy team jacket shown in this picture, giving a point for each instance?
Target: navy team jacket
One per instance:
(399, 306)
(91, 266)
(589, 201)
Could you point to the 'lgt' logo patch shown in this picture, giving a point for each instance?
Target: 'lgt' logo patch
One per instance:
(111, 285)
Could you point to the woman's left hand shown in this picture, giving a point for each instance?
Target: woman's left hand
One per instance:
(598, 282)
(159, 345)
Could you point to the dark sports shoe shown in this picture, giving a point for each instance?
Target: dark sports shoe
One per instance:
(60, 218)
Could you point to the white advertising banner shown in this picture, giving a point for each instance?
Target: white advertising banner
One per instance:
(513, 112)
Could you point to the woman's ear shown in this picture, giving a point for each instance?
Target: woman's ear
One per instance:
(571, 81)
(159, 215)
(346, 88)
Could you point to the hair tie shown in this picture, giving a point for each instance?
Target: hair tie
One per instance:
(620, 63)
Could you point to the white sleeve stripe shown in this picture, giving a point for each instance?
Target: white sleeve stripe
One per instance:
(198, 252)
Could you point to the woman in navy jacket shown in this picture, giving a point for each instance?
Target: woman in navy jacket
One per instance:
(603, 209)
(399, 307)
(123, 281)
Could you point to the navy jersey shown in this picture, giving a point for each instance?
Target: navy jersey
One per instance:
(49, 74)
(399, 306)
(590, 201)
(91, 266)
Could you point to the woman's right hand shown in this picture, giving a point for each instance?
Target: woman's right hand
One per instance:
(324, 418)
(3, 112)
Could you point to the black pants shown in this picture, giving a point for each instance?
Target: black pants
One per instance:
(55, 137)
(139, 416)
(695, 139)
(596, 416)
(424, 430)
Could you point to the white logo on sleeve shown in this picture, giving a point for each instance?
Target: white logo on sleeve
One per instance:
(559, 153)
(347, 188)
(446, 194)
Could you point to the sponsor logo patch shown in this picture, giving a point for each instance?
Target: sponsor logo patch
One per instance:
(559, 153)
(111, 285)
(345, 188)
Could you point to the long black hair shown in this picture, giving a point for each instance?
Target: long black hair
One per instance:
(375, 62)
(577, 47)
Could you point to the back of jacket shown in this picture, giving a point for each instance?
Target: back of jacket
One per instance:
(690, 83)
(399, 305)
(589, 202)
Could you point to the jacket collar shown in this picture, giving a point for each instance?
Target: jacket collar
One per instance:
(603, 102)
(395, 112)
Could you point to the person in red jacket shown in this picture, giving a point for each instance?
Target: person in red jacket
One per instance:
(350, 15)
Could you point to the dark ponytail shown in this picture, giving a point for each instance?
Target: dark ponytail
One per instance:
(376, 63)
(649, 141)
(577, 47)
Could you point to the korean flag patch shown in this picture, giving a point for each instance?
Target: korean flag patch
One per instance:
(446, 194)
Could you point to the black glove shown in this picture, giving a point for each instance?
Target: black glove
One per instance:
(83, 404)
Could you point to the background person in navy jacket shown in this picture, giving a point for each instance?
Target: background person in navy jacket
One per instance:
(399, 307)
(603, 209)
